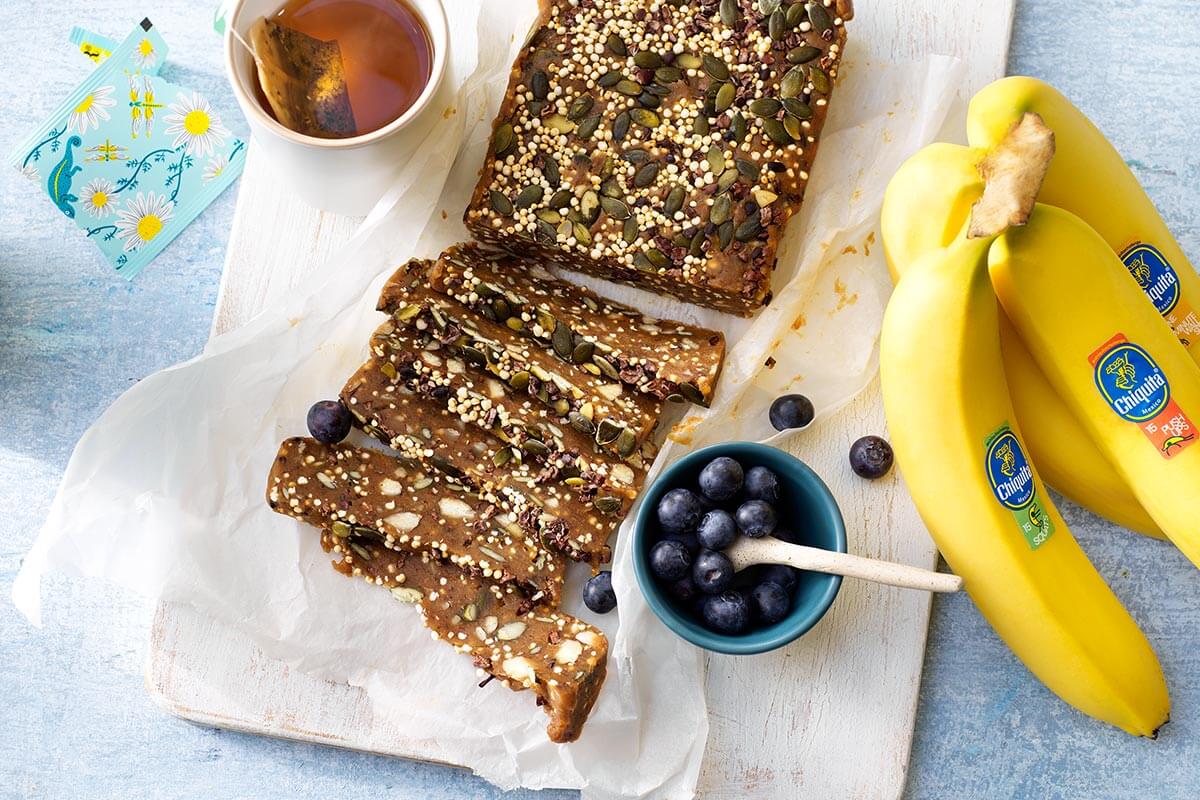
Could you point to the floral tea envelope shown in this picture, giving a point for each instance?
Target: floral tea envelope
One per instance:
(131, 158)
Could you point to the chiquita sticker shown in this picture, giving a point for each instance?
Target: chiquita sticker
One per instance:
(1011, 478)
(1136, 389)
(1158, 279)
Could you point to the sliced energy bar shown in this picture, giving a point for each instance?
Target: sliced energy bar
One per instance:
(662, 358)
(572, 503)
(562, 659)
(577, 397)
(357, 492)
(662, 144)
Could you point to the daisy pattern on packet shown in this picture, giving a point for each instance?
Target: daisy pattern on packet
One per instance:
(195, 125)
(97, 197)
(91, 110)
(214, 168)
(144, 54)
(143, 219)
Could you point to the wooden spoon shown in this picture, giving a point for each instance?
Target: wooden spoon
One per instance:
(745, 552)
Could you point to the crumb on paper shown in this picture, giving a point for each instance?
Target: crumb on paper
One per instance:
(683, 430)
(870, 240)
(844, 299)
(294, 321)
(799, 322)
(444, 214)
(449, 112)
(849, 250)
(770, 362)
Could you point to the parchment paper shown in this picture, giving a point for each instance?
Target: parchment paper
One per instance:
(164, 494)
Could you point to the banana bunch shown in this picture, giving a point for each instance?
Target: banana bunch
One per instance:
(1084, 371)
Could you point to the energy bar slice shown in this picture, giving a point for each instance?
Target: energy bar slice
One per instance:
(662, 358)
(562, 659)
(357, 492)
(572, 503)
(662, 144)
(577, 397)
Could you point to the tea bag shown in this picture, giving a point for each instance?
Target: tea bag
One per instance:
(303, 80)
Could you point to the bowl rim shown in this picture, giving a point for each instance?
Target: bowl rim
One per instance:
(741, 644)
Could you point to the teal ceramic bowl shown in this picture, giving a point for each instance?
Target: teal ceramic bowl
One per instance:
(805, 505)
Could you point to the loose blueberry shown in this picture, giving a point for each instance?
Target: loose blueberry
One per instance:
(684, 590)
(727, 612)
(782, 574)
(770, 602)
(791, 411)
(717, 530)
(670, 560)
(871, 457)
(679, 511)
(598, 594)
(712, 572)
(761, 484)
(329, 421)
(721, 478)
(756, 518)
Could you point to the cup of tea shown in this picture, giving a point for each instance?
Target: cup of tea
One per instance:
(338, 93)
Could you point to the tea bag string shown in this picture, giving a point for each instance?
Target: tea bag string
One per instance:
(246, 45)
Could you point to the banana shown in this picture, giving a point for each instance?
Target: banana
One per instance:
(964, 460)
(1111, 357)
(926, 205)
(1089, 178)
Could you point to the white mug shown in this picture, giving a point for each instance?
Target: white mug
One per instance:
(345, 176)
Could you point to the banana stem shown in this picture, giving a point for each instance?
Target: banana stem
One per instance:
(1013, 173)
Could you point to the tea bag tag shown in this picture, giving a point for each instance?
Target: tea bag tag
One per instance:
(303, 80)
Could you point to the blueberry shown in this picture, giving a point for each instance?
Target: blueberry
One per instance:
(679, 511)
(726, 613)
(782, 574)
(670, 560)
(688, 540)
(684, 590)
(329, 421)
(762, 484)
(721, 478)
(716, 530)
(770, 602)
(598, 594)
(791, 411)
(712, 572)
(756, 518)
(871, 457)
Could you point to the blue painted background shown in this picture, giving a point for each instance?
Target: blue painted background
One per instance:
(75, 721)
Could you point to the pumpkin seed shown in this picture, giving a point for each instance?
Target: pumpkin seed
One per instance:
(636, 155)
(721, 210)
(561, 339)
(630, 231)
(768, 7)
(501, 307)
(776, 131)
(820, 80)
(501, 204)
(607, 504)
(474, 355)
(819, 17)
(764, 197)
(627, 87)
(626, 443)
(546, 232)
(688, 61)
(606, 367)
(502, 456)
(646, 175)
(728, 178)
(716, 68)
(765, 107)
(644, 117)
(725, 234)
(529, 195)
(657, 257)
(562, 406)
(715, 159)
(793, 83)
(730, 12)
(560, 199)
(340, 529)
(581, 423)
(503, 140)
(700, 125)
(582, 352)
(658, 91)
(674, 202)
(389, 370)
(607, 432)
(724, 98)
(792, 126)
(616, 45)
(548, 215)
(776, 25)
(588, 126)
(749, 229)
(558, 123)
(675, 398)
(361, 551)
(648, 59)
(648, 100)
(696, 245)
(668, 74)
(614, 208)
(689, 391)
(539, 84)
(609, 79)
(580, 107)
(738, 127)
(748, 168)
(802, 54)
(589, 206)
(611, 188)
(582, 234)
(535, 448)
(621, 126)
(797, 108)
(795, 14)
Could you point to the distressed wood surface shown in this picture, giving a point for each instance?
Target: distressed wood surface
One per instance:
(829, 716)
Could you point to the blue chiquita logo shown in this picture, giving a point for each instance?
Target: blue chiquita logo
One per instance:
(1131, 382)
(1154, 274)
(1009, 472)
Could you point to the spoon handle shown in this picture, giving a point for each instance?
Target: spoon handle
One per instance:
(815, 559)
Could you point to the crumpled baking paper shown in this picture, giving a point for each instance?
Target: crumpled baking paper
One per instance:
(164, 494)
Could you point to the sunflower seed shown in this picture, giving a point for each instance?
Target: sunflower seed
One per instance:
(470, 612)
(802, 54)
(646, 175)
(716, 68)
(501, 204)
(361, 551)
(721, 209)
(510, 631)
(724, 98)
(406, 594)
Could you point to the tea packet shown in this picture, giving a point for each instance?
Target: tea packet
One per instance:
(129, 156)
(303, 80)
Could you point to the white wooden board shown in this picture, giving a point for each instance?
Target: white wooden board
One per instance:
(828, 717)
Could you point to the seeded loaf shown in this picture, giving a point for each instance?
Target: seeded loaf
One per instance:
(562, 659)
(576, 397)
(662, 358)
(572, 504)
(360, 493)
(663, 144)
